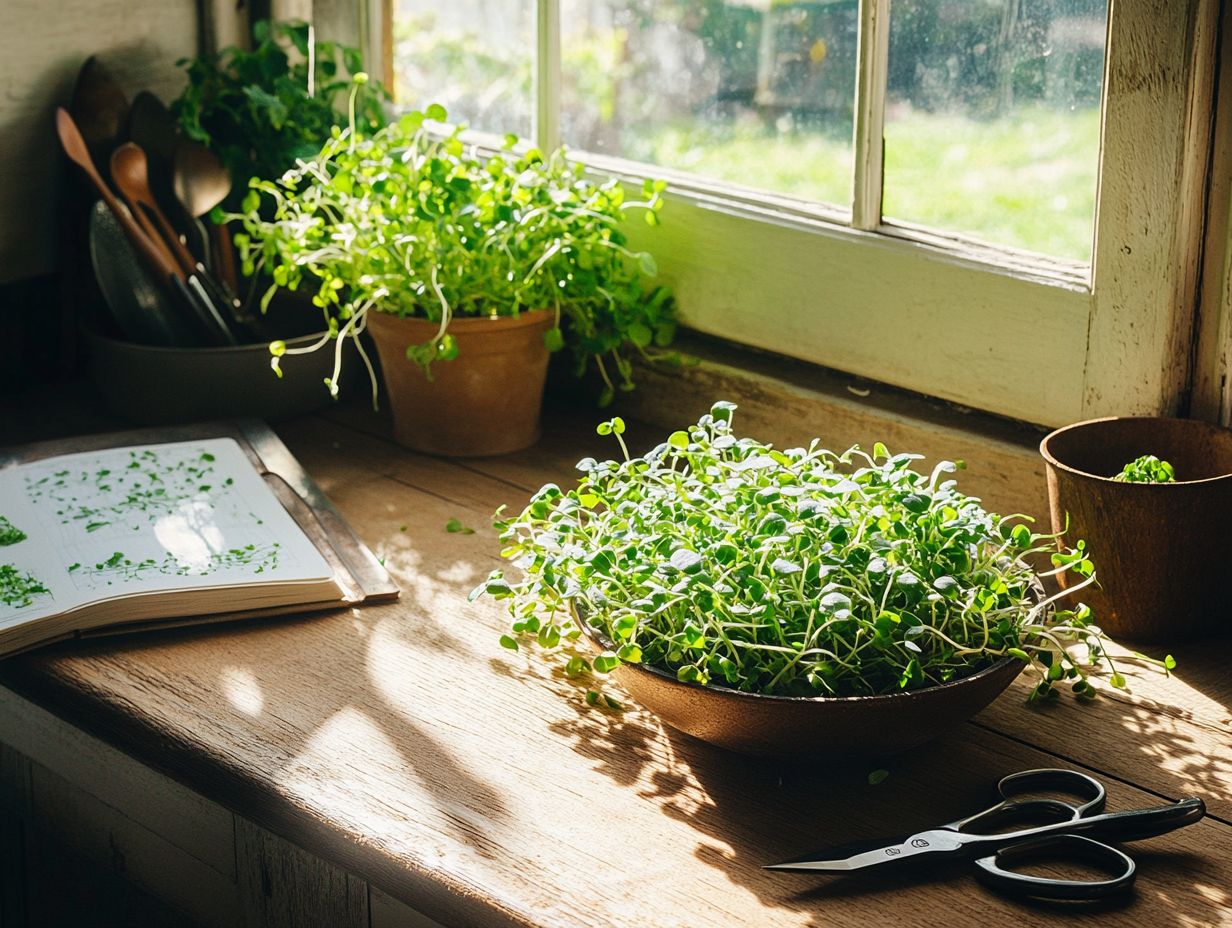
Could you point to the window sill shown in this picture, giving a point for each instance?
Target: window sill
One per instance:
(358, 769)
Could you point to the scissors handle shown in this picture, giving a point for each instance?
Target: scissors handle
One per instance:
(1070, 782)
(996, 871)
(1012, 810)
(1137, 823)
(1110, 826)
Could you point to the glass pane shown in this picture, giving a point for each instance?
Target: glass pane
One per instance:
(755, 92)
(992, 119)
(474, 57)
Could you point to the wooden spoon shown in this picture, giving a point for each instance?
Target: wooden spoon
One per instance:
(100, 109)
(130, 168)
(130, 172)
(75, 147)
(156, 258)
(151, 125)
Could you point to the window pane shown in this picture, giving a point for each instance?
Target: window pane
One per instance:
(755, 92)
(475, 57)
(992, 119)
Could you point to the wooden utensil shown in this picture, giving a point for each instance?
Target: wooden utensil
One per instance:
(129, 169)
(130, 173)
(158, 259)
(151, 126)
(75, 147)
(100, 109)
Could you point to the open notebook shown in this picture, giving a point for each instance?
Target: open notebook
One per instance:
(147, 533)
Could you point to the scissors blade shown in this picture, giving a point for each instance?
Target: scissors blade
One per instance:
(924, 844)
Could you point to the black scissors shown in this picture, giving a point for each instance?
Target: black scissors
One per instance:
(1069, 831)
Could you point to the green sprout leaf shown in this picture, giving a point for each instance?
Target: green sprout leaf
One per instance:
(1147, 469)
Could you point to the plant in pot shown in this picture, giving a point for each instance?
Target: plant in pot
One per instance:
(795, 602)
(1148, 495)
(256, 113)
(261, 110)
(467, 268)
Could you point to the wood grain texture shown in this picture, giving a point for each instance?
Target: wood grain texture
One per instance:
(137, 794)
(67, 889)
(1157, 125)
(876, 306)
(401, 745)
(384, 911)
(14, 809)
(1212, 390)
(1171, 735)
(285, 887)
(131, 854)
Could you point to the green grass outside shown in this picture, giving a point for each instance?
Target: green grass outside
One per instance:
(1026, 181)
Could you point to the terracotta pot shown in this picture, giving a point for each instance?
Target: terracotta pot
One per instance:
(484, 402)
(1157, 548)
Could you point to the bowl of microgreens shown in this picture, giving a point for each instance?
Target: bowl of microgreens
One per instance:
(794, 602)
(1148, 495)
(467, 267)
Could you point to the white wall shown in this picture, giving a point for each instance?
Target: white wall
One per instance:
(42, 44)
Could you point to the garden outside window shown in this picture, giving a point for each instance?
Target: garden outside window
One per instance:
(992, 202)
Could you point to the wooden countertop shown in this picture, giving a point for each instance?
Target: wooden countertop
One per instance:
(401, 743)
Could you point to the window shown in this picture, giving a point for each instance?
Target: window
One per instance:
(992, 201)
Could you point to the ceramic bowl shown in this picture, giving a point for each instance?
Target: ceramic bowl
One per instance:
(816, 728)
(158, 385)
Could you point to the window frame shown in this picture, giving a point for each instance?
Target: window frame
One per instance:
(1025, 336)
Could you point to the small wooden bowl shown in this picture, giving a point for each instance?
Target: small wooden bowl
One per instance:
(817, 728)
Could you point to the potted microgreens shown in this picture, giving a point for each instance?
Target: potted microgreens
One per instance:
(467, 268)
(1148, 495)
(762, 598)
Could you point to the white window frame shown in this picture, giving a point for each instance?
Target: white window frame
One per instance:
(1033, 338)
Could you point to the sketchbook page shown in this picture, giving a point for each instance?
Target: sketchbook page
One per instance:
(165, 517)
(33, 583)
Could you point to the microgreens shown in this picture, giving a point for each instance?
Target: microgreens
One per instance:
(413, 222)
(800, 572)
(1147, 469)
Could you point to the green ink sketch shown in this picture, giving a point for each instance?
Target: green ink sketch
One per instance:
(151, 484)
(18, 589)
(120, 567)
(10, 534)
